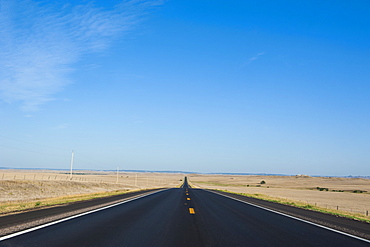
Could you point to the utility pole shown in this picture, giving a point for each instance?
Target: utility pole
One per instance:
(70, 174)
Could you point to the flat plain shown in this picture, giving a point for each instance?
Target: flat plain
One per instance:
(335, 193)
(27, 189)
(18, 187)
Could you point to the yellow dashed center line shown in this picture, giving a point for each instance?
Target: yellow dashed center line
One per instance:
(188, 199)
(191, 211)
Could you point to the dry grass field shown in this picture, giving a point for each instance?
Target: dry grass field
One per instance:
(344, 194)
(31, 188)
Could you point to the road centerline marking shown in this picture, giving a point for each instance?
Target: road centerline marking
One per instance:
(191, 211)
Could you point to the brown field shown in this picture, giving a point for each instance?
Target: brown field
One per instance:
(345, 194)
(26, 185)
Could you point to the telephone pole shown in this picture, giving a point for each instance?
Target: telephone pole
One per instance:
(70, 174)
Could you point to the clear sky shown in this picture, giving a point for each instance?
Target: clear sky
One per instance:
(203, 86)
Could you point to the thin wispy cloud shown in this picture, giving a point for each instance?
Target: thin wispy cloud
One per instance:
(257, 56)
(62, 126)
(40, 42)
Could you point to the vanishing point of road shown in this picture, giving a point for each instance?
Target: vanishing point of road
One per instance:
(182, 217)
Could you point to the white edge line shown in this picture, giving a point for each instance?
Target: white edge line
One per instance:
(72, 217)
(287, 215)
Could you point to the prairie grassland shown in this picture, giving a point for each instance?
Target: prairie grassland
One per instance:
(27, 189)
(342, 194)
(24, 189)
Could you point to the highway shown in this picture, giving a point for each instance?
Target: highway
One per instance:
(182, 217)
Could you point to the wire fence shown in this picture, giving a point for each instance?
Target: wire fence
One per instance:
(133, 180)
(340, 208)
(361, 210)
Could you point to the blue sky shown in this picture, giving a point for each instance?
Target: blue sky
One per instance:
(204, 86)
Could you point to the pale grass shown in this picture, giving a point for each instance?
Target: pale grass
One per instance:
(12, 207)
(28, 189)
(297, 189)
(299, 204)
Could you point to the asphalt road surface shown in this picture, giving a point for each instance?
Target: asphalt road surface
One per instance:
(183, 217)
